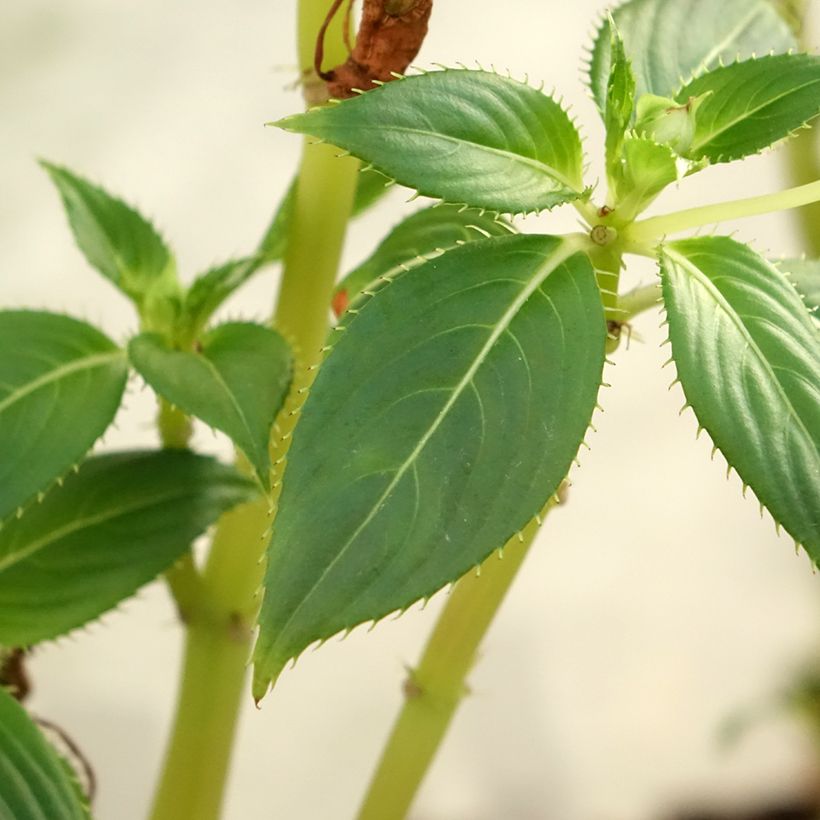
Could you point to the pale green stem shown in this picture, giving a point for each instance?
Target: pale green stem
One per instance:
(651, 230)
(638, 300)
(434, 689)
(803, 157)
(221, 613)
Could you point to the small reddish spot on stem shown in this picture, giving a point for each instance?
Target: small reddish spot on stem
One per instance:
(340, 302)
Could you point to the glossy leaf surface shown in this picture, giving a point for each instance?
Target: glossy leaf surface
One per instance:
(236, 381)
(112, 527)
(35, 782)
(750, 105)
(442, 420)
(431, 230)
(671, 41)
(61, 382)
(748, 359)
(467, 137)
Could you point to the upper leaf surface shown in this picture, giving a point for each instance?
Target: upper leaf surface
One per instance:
(61, 382)
(35, 782)
(805, 276)
(748, 106)
(430, 230)
(116, 240)
(114, 526)
(746, 351)
(463, 136)
(670, 41)
(481, 364)
(236, 381)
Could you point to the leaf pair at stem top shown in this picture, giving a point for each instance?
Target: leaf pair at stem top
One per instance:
(458, 389)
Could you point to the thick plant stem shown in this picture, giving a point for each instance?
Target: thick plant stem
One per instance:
(435, 688)
(221, 612)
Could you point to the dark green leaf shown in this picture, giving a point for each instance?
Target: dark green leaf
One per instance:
(747, 355)
(428, 231)
(112, 527)
(670, 41)
(805, 276)
(620, 101)
(35, 782)
(61, 382)
(121, 244)
(236, 381)
(443, 419)
(750, 105)
(467, 137)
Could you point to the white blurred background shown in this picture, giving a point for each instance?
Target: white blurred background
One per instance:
(655, 605)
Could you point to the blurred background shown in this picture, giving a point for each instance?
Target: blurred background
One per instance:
(656, 609)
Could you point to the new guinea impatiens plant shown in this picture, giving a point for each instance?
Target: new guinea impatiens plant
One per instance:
(438, 422)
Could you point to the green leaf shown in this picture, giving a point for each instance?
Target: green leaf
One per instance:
(35, 782)
(428, 231)
(670, 41)
(746, 352)
(61, 382)
(645, 169)
(620, 101)
(112, 527)
(236, 381)
(467, 137)
(750, 105)
(805, 276)
(121, 244)
(209, 290)
(443, 419)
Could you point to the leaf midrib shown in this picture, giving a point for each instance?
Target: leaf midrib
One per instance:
(85, 522)
(721, 302)
(561, 253)
(545, 169)
(64, 370)
(750, 112)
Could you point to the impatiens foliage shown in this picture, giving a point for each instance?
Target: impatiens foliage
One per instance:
(457, 386)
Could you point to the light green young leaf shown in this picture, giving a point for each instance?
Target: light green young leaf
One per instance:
(61, 382)
(431, 230)
(35, 782)
(620, 101)
(670, 41)
(805, 276)
(467, 137)
(114, 526)
(120, 243)
(481, 364)
(750, 105)
(748, 360)
(236, 381)
(645, 170)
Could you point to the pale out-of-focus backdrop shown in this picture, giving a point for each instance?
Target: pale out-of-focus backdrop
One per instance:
(655, 605)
